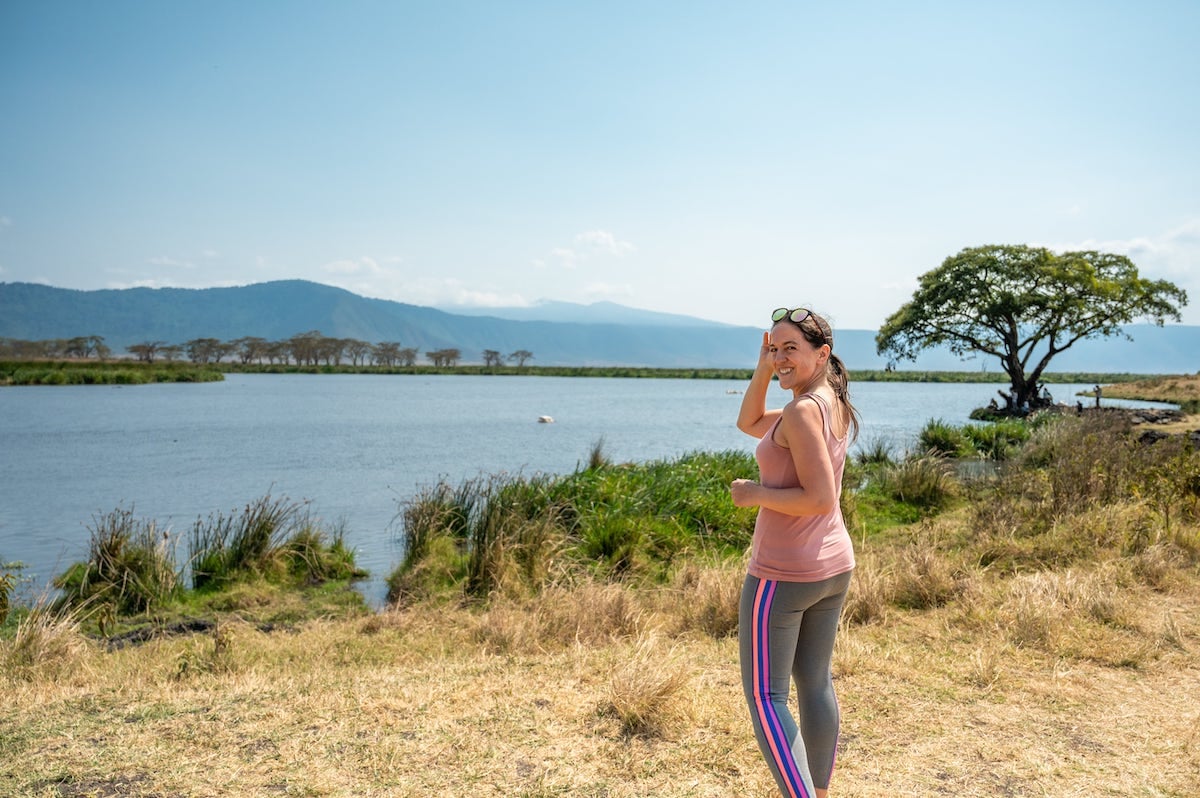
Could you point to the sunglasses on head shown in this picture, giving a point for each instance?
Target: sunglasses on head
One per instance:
(795, 316)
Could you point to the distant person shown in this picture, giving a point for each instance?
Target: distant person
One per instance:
(1096, 390)
(802, 557)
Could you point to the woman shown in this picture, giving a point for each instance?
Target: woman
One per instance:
(801, 558)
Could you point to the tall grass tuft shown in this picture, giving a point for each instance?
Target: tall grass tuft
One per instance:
(870, 594)
(491, 533)
(647, 689)
(927, 481)
(597, 458)
(48, 644)
(275, 539)
(706, 599)
(315, 556)
(130, 567)
(513, 537)
(924, 577)
(998, 440)
(586, 613)
(7, 583)
(875, 452)
(939, 438)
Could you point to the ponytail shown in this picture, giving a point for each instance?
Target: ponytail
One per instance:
(839, 380)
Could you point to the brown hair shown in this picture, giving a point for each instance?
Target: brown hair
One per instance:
(817, 332)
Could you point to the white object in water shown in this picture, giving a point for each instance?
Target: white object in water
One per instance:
(545, 419)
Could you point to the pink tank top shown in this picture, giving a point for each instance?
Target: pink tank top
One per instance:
(799, 548)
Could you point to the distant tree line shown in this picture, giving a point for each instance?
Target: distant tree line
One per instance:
(80, 347)
(303, 349)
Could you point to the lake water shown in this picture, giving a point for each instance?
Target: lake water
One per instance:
(356, 446)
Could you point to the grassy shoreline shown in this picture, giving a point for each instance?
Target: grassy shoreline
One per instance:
(1030, 629)
(92, 372)
(1183, 390)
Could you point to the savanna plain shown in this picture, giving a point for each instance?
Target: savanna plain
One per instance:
(1024, 621)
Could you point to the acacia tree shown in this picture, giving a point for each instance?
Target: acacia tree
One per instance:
(1024, 305)
(146, 350)
(444, 357)
(385, 353)
(521, 355)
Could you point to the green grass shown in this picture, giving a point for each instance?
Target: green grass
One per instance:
(124, 372)
(518, 533)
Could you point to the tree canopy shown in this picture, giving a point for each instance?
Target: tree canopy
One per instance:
(1024, 305)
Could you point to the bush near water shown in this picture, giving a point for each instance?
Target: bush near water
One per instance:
(1020, 588)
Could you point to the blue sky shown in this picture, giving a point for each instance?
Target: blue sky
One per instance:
(711, 159)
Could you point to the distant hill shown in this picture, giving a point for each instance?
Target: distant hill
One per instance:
(558, 333)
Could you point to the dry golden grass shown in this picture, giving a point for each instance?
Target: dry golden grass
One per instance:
(1080, 682)
(1175, 388)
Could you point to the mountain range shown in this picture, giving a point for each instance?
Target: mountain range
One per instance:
(557, 333)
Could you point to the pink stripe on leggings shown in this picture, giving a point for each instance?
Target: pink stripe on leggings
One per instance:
(777, 741)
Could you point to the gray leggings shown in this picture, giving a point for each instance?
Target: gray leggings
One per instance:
(787, 629)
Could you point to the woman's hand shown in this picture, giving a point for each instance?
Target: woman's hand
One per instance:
(744, 492)
(765, 361)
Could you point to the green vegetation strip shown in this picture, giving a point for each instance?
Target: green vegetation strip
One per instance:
(24, 372)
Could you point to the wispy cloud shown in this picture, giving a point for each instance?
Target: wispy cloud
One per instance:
(593, 243)
(604, 242)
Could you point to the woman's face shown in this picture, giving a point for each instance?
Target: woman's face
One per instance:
(797, 362)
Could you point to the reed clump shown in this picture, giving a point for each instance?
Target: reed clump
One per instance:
(271, 538)
(130, 568)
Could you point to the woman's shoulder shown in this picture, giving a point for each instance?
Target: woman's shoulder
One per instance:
(807, 408)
